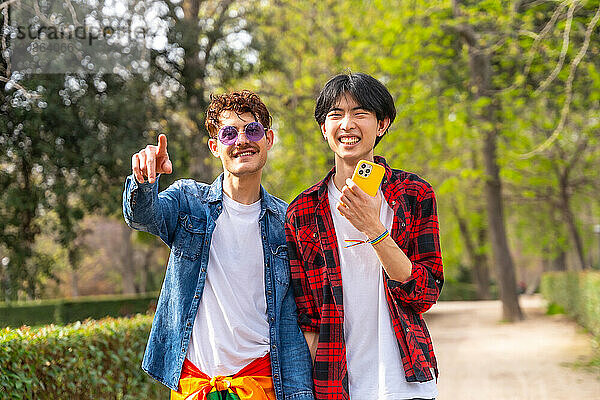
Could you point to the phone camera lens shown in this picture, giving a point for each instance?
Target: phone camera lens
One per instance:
(360, 172)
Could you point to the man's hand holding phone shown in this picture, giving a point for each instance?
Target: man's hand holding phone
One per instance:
(152, 160)
(361, 210)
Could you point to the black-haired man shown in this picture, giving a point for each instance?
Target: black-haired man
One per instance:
(360, 307)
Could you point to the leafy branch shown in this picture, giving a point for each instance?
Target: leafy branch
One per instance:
(568, 89)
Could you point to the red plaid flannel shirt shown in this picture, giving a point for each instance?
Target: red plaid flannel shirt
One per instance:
(317, 280)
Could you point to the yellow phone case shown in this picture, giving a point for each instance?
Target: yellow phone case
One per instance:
(368, 176)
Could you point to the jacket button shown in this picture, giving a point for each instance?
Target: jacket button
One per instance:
(404, 224)
(393, 202)
(315, 235)
(272, 319)
(407, 330)
(196, 296)
(269, 292)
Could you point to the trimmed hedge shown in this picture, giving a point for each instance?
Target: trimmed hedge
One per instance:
(463, 291)
(578, 293)
(64, 311)
(89, 360)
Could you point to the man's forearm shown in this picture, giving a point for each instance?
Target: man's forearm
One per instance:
(312, 339)
(396, 264)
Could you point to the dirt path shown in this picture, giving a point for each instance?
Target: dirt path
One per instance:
(484, 359)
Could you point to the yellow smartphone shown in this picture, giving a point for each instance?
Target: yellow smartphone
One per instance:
(368, 176)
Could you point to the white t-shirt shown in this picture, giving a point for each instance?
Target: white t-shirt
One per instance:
(231, 328)
(373, 357)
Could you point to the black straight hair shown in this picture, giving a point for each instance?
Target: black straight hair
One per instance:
(368, 92)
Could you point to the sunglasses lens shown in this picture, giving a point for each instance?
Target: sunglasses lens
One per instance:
(254, 131)
(228, 135)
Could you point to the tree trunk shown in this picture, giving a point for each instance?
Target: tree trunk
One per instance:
(193, 75)
(505, 270)
(569, 219)
(146, 277)
(74, 264)
(479, 267)
(482, 269)
(480, 69)
(559, 263)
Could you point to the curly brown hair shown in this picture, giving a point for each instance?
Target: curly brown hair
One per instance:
(238, 102)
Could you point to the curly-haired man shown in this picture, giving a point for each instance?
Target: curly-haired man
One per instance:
(225, 325)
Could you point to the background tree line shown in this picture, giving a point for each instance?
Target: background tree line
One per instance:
(497, 107)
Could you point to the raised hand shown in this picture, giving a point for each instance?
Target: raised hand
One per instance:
(151, 160)
(361, 210)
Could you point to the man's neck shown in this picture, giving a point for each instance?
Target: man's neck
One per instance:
(243, 189)
(344, 168)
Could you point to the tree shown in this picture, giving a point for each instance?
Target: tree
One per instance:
(65, 144)
(67, 138)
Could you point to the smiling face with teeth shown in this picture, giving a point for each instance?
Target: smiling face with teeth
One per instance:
(244, 157)
(351, 131)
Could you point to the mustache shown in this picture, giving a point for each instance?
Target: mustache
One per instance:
(241, 149)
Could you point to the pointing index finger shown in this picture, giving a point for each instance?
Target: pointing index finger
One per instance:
(162, 144)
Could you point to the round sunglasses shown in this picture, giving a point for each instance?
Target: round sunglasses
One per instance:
(228, 134)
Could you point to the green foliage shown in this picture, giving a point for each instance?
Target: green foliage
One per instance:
(67, 139)
(65, 151)
(554, 309)
(578, 293)
(458, 291)
(69, 150)
(89, 360)
(417, 49)
(65, 311)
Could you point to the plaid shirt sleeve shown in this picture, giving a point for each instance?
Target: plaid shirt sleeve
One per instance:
(422, 289)
(308, 313)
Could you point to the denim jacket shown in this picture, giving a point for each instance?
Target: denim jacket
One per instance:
(184, 217)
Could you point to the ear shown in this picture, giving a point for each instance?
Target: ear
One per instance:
(214, 147)
(270, 136)
(382, 126)
(323, 131)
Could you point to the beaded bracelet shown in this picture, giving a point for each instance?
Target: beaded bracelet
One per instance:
(354, 242)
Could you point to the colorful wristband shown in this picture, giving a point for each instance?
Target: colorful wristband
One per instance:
(354, 242)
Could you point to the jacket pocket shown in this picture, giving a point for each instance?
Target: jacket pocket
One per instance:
(281, 264)
(191, 232)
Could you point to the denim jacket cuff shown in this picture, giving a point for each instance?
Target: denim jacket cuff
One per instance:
(146, 186)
